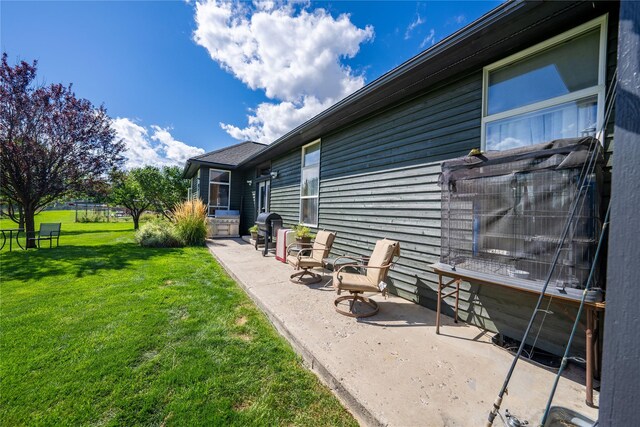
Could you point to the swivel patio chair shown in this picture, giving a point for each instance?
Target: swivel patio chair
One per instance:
(310, 256)
(377, 266)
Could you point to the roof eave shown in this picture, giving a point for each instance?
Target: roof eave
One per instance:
(403, 69)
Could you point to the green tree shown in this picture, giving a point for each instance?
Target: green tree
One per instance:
(172, 190)
(136, 190)
(51, 142)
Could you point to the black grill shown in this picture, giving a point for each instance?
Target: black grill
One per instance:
(268, 224)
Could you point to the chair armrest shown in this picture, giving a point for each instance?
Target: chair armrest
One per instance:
(297, 245)
(342, 267)
(366, 267)
(303, 250)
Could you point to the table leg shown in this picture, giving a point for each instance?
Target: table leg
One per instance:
(439, 303)
(589, 351)
(455, 319)
(18, 241)
(10, 239)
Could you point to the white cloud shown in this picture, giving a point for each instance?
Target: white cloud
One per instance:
(460, 19)
(173, 151)
(270, 121)
(158, 148)
(419, 21)
(291, 53)
(430, 39)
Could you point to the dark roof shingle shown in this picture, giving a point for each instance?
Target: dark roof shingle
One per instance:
(228, 157)
(232, 155)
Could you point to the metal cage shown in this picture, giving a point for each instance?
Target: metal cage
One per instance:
(503, 212)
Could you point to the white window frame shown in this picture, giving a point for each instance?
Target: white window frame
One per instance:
(598, 90)
(317, 196)
(228, 184)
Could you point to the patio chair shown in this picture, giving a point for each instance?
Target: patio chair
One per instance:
(310, 256)
(377, 266)
(48, 231)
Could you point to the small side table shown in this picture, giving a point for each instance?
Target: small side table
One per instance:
(333, 263)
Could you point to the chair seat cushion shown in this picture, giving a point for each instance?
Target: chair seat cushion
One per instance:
(354, 282)
(303, 262)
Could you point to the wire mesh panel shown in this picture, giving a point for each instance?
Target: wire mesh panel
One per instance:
(503, 212)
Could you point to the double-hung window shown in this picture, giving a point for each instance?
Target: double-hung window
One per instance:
(550, 91)
(219, 186)
(310, 184)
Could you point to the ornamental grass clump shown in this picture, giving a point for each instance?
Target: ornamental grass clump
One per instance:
(158, 234)
(190, 220)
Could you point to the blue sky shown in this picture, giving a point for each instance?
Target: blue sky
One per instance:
(180, 78)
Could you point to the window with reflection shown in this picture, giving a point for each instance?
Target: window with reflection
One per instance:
(551, 91)
(219, 190)
(310, 184)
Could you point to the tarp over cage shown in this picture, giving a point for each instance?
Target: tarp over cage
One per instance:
(503, 213)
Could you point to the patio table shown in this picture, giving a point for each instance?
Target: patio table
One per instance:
(333, 263)
(11, 231)
(593, 309)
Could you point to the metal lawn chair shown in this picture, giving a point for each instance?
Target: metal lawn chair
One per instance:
(48, 231)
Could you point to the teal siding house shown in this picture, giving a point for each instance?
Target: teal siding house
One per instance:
(368, 167)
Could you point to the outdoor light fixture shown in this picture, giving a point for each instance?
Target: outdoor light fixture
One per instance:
(249, 182)
(274, 174)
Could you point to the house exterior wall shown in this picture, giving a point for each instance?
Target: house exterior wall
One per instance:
(248, 211)
(378, 178)
(285, 190)
(235, 192)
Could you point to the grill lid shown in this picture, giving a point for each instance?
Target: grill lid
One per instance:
(267, 217)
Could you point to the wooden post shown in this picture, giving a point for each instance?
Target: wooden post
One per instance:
(439, 303)
(589, 352)
(621, 351)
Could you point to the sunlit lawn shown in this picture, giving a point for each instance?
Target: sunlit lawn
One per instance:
(100, 331)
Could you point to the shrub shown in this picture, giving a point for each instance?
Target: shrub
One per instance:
(158, 234)
(91, 217)
(190, 219)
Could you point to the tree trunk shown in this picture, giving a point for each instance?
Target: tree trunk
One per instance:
(30, 225)
(21, 217)
(136, 219)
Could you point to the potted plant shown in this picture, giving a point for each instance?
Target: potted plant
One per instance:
(303, 234)
(254, 232)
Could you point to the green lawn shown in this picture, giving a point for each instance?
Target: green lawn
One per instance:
(102, 332)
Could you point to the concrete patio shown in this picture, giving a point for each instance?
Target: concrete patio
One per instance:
(392, 369)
